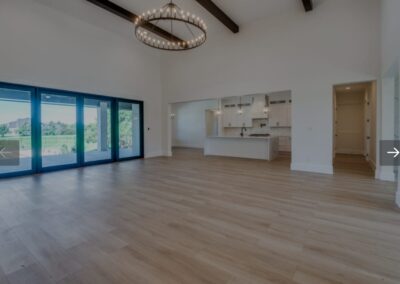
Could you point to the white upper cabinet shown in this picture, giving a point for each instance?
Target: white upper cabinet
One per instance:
(229, 107)
(280, 113)
(246, 119)
(231, 117)
(253, 107)
(258, 107)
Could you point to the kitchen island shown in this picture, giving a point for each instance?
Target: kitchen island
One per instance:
(262, 148)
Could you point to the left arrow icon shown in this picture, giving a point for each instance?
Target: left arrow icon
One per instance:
(395, 152)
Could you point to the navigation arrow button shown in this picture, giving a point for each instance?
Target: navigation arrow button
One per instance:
(395, 152)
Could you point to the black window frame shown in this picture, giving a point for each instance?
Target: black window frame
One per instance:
(36, 138)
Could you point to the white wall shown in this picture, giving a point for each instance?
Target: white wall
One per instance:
(390, 34)
(74, 45)
(189, 123)
(390, 73)
(307, 53)
(390, 53)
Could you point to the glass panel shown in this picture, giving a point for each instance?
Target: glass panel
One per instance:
(58, 117)
(15, 128)
(129, 129)
(97, 127)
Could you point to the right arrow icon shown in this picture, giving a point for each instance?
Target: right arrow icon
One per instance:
(395, 152)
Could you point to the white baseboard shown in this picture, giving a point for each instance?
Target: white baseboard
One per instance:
(159, 154)
(376, 173)
(188, 146)
(322, 169)
(386, 175)
(153, 154)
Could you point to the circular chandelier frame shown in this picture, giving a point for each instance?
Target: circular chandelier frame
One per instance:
(146, 23)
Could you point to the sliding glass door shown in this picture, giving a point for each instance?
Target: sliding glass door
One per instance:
(129, 129)
(97, 130)
(58, 129)
(15, 129)
(44, 130)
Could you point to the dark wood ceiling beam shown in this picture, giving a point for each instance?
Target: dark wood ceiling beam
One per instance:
(308, 5)
(129, 16)
(219, 14)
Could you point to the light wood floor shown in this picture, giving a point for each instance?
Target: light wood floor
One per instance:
(352, 165)
(191, 219)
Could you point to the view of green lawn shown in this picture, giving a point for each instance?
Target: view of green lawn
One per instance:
(55, 142)
(58, 138)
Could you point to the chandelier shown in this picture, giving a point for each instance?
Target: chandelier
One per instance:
(170, 17)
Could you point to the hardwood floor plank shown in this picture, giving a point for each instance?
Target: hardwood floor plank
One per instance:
(14, 256)
(3, 278)
(32, 274)
(313, 276)
(195, 219)
(47, 251)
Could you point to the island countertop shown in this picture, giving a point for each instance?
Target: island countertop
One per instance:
(244, 137)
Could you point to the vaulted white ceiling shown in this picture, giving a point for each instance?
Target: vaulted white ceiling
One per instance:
(240, 11)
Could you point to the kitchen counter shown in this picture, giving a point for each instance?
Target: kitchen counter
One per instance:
(244, 137)
(263, 148)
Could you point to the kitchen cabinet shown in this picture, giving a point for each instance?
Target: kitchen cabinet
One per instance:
(280, 113)
(229, 105)
(246, 119)
(257, 108)
(285, 144)
(289, 113)
(230, 115)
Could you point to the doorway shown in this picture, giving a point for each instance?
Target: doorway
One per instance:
(44, 130)
(354, 145)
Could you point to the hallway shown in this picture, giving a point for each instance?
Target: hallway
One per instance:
(352, 165)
